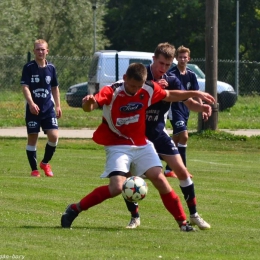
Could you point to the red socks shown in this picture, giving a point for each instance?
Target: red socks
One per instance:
(97, 196)
(172, 203)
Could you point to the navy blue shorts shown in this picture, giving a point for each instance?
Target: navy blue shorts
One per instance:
(164, 144)
(179, 124)
(33, 125)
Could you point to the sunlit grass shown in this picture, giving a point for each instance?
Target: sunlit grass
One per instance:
(244, 115)
(226, 178)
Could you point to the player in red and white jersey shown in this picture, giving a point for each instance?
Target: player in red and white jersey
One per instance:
(122, 132)
(124, 113)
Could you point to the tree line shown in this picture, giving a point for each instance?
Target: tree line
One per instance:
(126, 25)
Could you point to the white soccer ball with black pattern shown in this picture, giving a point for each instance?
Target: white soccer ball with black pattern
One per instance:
(134, 189)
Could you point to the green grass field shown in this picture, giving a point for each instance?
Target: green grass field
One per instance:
(244, 115)
(226, 177)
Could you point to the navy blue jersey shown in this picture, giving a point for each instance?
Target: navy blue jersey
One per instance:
(40, 81)
(155, 114)
(189, 82)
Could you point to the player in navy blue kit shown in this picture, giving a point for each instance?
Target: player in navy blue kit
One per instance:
(179, 113)
(40, 88)
(155, 131)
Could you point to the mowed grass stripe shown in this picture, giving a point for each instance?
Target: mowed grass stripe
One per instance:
(227, 189)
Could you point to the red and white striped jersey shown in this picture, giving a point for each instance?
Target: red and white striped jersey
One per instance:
(124, 115)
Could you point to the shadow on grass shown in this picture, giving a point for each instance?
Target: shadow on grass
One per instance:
(76, 228)
(98, 229)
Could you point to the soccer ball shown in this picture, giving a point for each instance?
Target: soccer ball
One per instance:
(134, 189)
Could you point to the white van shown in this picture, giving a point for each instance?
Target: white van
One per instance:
(104, 66)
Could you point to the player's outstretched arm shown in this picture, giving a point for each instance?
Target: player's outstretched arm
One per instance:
(180, 95)
(205, 97)
(195, 106)
(89, 103)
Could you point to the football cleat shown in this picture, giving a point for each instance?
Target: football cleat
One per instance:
(170, 174)
(186, 227)
(47, 169)
(200, 222)
(68, 217)
(134, 223)
(35, 173)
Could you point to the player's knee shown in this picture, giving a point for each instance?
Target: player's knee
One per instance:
(53, 144)
(160, 182)
(115, 190)
(183, 139)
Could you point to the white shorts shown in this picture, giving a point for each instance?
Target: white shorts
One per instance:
(134, 159)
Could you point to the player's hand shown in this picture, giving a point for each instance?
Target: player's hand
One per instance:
(34, 109)
(207, 111)
(163, 83)
(89, 98)
(206, 97)
(58, 112)
(89, 103)
(205, 116)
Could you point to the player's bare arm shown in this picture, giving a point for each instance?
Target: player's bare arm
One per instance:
(205, 97)
(195, 106)
(89, 103)
(180, 95)
(34, 109)
(56, 97)
(205, 116)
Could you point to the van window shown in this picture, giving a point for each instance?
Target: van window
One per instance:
(143, 61)
(123, 63)
(199, 73)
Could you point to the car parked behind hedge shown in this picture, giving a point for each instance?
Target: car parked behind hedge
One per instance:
(75, 94)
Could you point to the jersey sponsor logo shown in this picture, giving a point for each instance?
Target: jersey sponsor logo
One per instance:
(152, 111)
(127, 120)
(48, 79)
(131, 107)
(41, 93)
(179, 124)
(150, 118)
(152, 115)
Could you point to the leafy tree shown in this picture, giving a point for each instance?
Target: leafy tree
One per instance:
(66, 25)
(142, 25)
(250, 29)
(135, 25)
(15, 28)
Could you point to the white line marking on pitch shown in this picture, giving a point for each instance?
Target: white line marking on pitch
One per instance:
(211, 162)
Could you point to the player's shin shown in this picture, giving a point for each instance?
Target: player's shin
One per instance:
(132, 208)
(172, 203)
(97, 196)
(189, 196)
